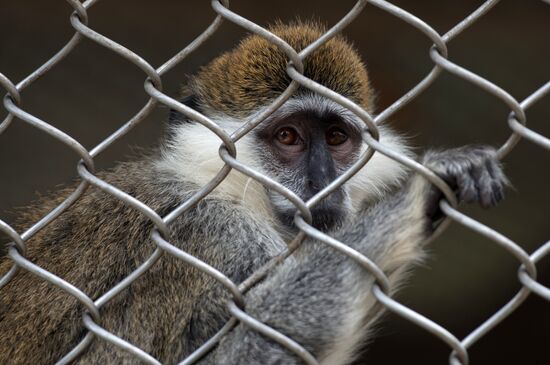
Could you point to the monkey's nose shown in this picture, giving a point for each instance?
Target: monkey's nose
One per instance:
(314, 186)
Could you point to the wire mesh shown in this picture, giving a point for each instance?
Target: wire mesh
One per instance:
(527, 272)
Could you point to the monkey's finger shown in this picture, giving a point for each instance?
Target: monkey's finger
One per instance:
(466, 186)
(483, 183)
(499, 180)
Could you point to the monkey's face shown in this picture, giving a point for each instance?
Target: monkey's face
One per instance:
(306, 147)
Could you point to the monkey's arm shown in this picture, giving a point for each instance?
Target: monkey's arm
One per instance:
(323, 299)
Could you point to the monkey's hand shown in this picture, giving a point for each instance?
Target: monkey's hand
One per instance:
(473, 172)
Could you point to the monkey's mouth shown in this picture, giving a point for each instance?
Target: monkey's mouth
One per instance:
(323, 218)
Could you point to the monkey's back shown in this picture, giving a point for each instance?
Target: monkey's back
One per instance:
(97, 242)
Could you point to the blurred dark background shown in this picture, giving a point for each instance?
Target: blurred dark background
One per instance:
(467, 277)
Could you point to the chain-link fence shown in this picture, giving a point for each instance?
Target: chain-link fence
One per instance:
(438, 53)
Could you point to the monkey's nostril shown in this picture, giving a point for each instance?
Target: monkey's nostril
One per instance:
(314, 187)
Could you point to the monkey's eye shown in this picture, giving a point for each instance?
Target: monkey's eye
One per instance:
(288, 136)
(336, 136)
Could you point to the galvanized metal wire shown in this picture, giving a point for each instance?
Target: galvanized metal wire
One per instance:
(439, 54)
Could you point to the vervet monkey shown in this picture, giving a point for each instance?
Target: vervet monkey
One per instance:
(317, 297)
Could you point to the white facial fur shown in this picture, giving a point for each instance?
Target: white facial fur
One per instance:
(192, 155)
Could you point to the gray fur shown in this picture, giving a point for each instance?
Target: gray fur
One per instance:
(173, 308)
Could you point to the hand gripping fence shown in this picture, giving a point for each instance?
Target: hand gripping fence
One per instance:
(527, 273)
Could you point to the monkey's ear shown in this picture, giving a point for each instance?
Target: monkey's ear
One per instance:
(176, 117)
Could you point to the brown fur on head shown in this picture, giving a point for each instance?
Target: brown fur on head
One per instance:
(254, 73)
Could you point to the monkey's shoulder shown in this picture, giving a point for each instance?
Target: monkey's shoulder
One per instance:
(101, 222)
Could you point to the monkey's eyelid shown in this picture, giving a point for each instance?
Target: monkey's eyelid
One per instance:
(355, 125)
(352, 120)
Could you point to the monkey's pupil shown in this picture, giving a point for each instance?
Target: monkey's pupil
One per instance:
(287, 136)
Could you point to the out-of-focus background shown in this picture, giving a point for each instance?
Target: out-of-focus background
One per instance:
(466, 277)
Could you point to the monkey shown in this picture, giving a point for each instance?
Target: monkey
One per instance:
(318, 297)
